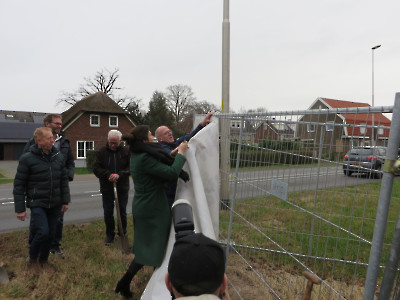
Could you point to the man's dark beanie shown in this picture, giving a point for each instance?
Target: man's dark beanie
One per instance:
(196, 265)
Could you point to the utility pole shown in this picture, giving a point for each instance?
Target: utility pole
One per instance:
(225, 123)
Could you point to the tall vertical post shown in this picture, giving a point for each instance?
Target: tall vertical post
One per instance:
(382, 212)
(225, 122)
(373, 104)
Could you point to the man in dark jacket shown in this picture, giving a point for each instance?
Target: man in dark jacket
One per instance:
(41, 183)
(112, 166)
(61, 142)
(169, 143)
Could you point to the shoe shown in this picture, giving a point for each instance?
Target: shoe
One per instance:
(56, 250)
(123, 289)
(108, 240)
(33, 266)
(47, 267)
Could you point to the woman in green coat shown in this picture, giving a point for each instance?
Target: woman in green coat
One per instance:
(151, 166)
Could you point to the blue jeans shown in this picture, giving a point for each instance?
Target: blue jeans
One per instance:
(108, 207)
(43, 228)
(56, 242)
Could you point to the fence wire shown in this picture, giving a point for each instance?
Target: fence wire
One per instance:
(297, 202)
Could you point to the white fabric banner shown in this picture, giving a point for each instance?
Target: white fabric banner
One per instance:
(202, 191)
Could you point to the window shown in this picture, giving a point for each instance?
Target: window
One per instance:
(82, 147)
(307, 143)
(355, 143)
(235, 124)
(113, 121)
(310, 127)
(95, 120)
(363, 128)
(380, 131)
(329, 126)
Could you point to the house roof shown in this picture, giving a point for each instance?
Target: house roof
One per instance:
(379, 118)
(98, 102)
(17, 131)
(12, 116)
(18, 126)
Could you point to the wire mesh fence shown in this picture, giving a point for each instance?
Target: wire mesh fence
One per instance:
(304, 190)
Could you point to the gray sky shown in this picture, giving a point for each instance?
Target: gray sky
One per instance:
(284, 54)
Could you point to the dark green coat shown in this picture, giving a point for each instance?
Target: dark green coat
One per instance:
(41, 180)
(150, 209)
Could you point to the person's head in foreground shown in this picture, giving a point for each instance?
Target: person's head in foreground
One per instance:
(196, 267)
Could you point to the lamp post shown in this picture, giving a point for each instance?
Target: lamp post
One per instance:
(373, 121)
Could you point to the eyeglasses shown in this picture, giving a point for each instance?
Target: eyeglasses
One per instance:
(57, 123)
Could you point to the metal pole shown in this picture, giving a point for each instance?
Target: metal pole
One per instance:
(383, 206)
(233, 197)
(373, 121)
(321, 145)
(394, 257)
(225, 123)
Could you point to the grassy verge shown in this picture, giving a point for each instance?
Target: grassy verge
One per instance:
(88, 269)
(3, 179)
(351, 209)
(82, 171)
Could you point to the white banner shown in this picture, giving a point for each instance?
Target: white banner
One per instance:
(202, 191)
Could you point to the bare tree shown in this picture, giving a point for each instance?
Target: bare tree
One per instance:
(102, 81)
(202, 107)
(179, 99)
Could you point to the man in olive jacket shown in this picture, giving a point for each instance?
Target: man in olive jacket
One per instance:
(112, 165)
(41, 183)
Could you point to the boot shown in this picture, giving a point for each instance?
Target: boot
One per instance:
(33, 266)
(123, 285)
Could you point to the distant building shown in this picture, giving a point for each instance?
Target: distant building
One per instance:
(342, 131)
(88, 122)
(16, 128)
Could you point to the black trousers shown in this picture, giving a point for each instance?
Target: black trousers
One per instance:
(108, 207)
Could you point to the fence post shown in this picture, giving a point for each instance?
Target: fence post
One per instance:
(393, 261)
(383, 206)
(321, 145)
(233, 193)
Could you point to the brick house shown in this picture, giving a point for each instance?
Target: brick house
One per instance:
(88, 122)
(351, 132)
(273, 130)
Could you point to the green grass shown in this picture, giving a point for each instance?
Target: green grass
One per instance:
(3, 179)
(88, 270)
(82, 171)
(352, 208)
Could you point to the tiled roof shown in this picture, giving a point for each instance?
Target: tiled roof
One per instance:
(343, 104)
(357, 119)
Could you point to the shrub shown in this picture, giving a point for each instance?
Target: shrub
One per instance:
(90, 157)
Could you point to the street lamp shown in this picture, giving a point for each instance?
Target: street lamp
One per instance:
(373, 121)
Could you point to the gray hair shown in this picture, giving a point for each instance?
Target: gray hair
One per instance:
(114, 133)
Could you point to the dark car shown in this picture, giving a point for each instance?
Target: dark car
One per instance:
(367, 160)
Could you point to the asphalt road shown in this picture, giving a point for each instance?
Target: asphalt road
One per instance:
(86, 204)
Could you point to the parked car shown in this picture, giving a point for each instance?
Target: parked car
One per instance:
(367, 160)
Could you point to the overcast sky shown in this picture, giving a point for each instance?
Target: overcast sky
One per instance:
(284, 54)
